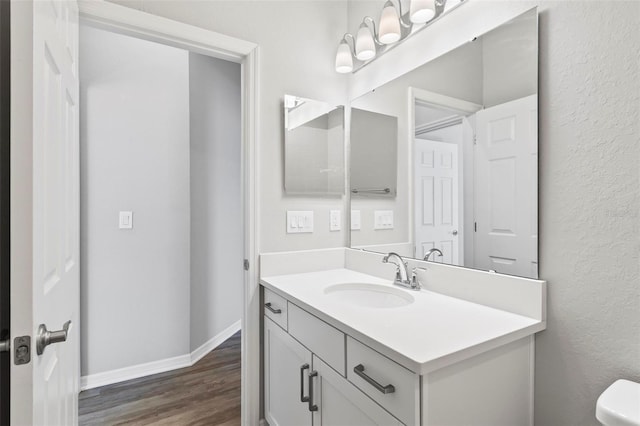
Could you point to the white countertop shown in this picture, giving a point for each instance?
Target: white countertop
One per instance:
(432, 332)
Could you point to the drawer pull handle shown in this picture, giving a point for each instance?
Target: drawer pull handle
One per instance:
(312, 406)
(275, 311)
(359, 370)
(302, 397)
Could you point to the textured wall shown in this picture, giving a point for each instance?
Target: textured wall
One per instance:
(589, 200)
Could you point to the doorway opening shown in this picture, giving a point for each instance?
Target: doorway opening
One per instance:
(161, 225)
(468, 161)
(443, 176)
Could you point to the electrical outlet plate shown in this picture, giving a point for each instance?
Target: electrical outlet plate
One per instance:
(126, 220)
(355, 220)
(299, 222)
(334, 220)
(383, 219)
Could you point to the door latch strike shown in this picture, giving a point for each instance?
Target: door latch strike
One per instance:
(22, 350)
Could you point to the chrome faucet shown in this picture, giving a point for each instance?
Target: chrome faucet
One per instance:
(430, 252)
(402, 275)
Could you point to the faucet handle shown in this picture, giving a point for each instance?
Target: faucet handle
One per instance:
(414, 277)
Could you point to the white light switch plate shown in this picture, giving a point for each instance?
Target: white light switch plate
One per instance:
(334, 220)
(126, 220)
(383, 219)
(299, 222)
(355, 220)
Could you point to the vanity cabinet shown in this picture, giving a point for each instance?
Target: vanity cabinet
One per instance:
(317, 374)
(286, 363)
(301, 389)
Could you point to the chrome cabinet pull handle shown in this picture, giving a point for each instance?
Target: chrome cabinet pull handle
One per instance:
(302, 397)
(359, 370)
(46, 337)
(312, 406)
(275, 311)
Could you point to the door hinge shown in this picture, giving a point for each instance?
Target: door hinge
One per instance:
(475, 139)
(246, 264)
(475, 226)
(22, 350)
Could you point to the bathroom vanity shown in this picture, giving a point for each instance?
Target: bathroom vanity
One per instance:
(344, 346)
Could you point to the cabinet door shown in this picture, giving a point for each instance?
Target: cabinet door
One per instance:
(342, 404)
(284, 359)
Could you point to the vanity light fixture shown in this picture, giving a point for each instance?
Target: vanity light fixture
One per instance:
(368, 41)
(344, 56)
(390, 24)
(421, 11)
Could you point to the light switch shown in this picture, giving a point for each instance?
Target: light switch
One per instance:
(383, 219)
(126, 220)
(299, 222)
(334, 220)
(355, 220)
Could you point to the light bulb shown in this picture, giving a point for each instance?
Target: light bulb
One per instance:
(421, 11)
(365, 46)
(389, 24)
(344, 59)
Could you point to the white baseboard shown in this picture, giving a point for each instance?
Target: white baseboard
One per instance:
(135, 371)
(214, 342)
(141, 370)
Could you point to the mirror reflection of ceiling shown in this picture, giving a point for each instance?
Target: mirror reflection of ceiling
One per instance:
(491, 80)
(498, 66)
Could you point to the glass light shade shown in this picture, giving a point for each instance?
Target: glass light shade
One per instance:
(344, 60)
(389, 28)
(365, 46)
(421, 11)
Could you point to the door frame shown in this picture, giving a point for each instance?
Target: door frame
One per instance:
(455, 105)
(5, 227)
(132, 22)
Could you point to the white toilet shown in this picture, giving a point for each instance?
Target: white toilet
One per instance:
(619, 405)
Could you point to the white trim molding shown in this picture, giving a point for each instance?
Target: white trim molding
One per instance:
(129, 21)
(198, 353)
(136, 23)
(134, 372)
(160, 366)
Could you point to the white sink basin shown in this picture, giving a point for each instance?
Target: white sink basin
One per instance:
(369, 295)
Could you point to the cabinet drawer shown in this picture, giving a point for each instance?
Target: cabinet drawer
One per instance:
(375, 373)
(319, 337)
(275, 308)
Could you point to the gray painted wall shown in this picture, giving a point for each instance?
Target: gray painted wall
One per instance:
(589, 205)
(298, 42)
(134, 156)
(216, 215)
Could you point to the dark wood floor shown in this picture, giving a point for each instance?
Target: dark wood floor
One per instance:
(207, 393)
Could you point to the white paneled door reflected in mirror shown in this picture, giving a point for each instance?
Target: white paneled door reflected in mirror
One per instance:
(464, 156)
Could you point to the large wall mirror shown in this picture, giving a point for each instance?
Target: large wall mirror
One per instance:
(464, 157)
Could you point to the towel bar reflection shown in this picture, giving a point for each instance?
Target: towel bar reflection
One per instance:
(371, 191)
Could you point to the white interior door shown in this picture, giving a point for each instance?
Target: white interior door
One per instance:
(436, 199)
(49, 223)
(506, 188)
